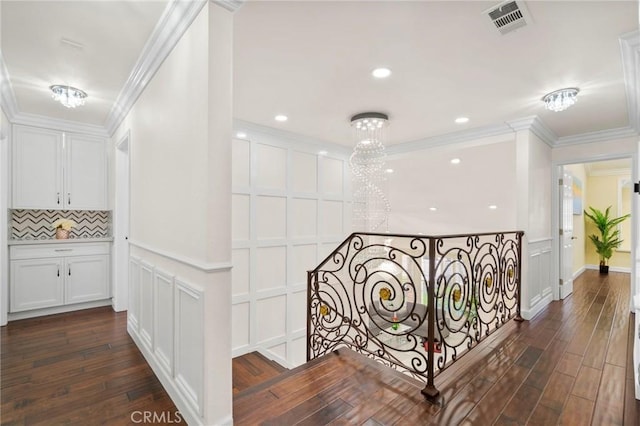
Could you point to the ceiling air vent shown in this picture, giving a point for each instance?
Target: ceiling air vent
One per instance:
(509, 16)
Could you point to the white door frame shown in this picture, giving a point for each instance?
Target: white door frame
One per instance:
(120, 264)
(555, 223)
(5, 135)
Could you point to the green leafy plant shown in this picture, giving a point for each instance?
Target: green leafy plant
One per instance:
(609, 238)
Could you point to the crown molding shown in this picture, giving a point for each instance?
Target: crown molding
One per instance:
(293, 139)
(599, 136)
(630, 49)
(8, 97)
(230, 5)
(450, 139)
(174, 22)
(537, 127)
(59, 124)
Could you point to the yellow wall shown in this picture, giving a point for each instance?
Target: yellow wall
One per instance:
(579, 244)
(603, 192)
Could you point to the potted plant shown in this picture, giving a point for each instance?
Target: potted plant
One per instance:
(609, 238)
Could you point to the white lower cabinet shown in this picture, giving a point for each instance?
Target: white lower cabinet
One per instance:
(36, 283)
(49, 275)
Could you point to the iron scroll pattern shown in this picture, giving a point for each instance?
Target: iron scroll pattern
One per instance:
(477, 290)
(373, 295)
(363, 297)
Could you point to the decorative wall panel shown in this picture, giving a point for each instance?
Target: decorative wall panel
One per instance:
(163, 319)
(133, 312)
(36, 224)
(291, 204)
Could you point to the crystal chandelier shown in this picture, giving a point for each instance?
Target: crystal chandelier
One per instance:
(370, 204)
(68, 96)
(560, 99)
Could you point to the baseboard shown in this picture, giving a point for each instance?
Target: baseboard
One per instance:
(579, 272)
(611, 268)
(58, 310)
(169, 385)
(273, 357)
(535, 310)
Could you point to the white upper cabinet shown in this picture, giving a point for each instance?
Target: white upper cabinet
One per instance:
(37, 168)
(85, 173)
(56, 170)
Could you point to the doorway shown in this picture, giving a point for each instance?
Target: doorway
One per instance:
(121, 226)
(599, 184)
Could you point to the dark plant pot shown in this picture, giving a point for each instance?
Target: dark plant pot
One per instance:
(604, 269)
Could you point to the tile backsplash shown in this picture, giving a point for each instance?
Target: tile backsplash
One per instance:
(36, 224)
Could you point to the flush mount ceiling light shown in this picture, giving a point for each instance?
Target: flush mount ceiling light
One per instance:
(281, 118)
(68, 96)
(560, 100)
(462, 120)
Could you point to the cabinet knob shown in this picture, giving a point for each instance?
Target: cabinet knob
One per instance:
(58, 198)
(68, 198)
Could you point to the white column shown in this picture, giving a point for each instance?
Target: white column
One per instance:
(218, 395)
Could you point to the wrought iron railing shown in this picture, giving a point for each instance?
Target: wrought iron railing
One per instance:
(414, 303)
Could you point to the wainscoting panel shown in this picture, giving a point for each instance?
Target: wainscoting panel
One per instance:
(163, 319)
(291, 204)
(189, 351)
(169, 332)
(539, 278)
(146, 304)
(133, 313)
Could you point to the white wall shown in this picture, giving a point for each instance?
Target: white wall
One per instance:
(461, 193)
(290, 209)
(180, 184)
(539, 286)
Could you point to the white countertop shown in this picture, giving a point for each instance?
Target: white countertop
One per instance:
(54, 241)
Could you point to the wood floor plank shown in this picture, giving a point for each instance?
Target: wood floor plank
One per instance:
(609, 408)
(586, 383)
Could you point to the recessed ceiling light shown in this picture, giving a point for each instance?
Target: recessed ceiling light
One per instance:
(455, 161)
(281, 117)
(493, 207)
(241, 135)
(381, 72)
(389, 170)
(433, 209)
(322, 152)
(462, 120)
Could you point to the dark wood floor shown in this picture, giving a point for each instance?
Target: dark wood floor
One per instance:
(569, 365)
(253, 369)
(79, 368)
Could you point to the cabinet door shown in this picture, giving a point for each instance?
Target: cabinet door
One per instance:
(86, 278)
(37, 168)
(36, 283)
(85, 173)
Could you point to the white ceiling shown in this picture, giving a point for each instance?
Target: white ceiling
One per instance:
(112, 35)
(311, 60)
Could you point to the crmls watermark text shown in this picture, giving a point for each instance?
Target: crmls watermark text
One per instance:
(150, 417)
